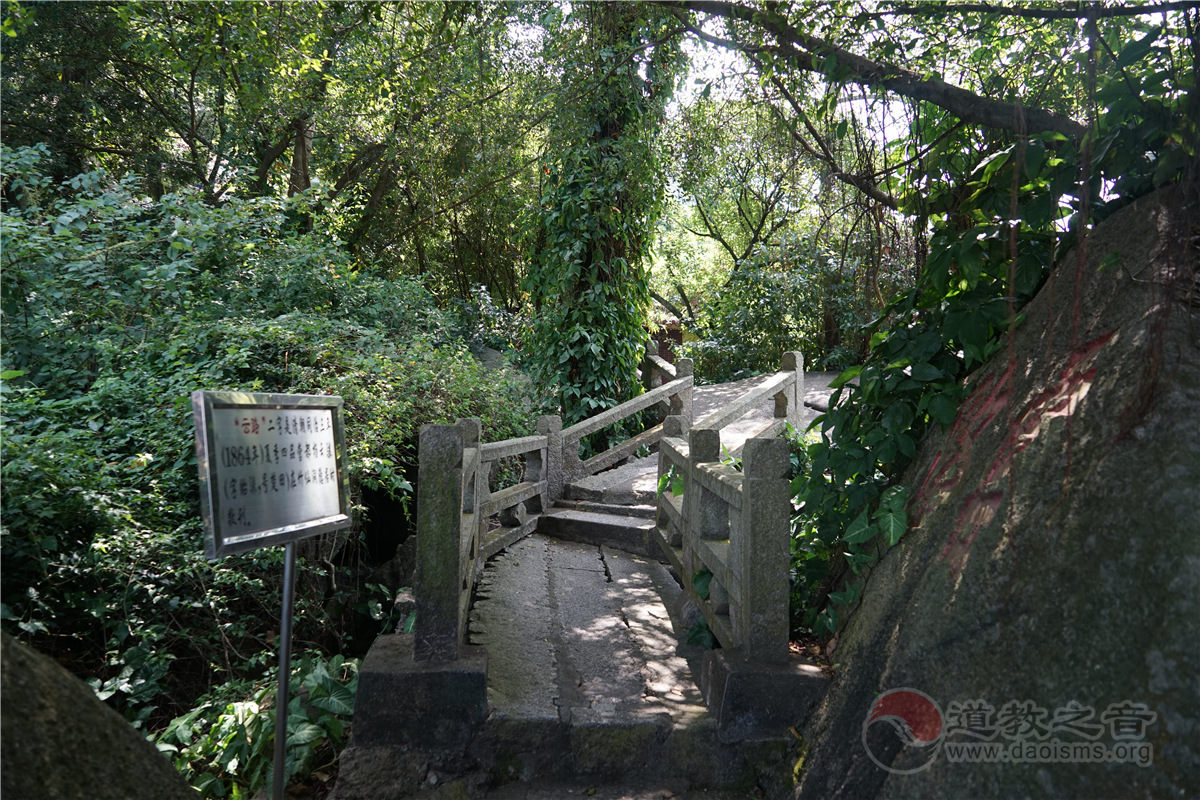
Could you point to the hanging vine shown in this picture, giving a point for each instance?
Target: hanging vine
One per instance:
(594, 225)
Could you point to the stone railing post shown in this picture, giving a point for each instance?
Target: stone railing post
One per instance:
(436, 580)
(760, 554)
(709, 513)
(476, 491)
(673, 428)
(651, 349)
(681, 404)
(552, 468)
(788, 402)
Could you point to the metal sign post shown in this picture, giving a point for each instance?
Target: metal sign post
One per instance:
(272, 471)
(285, 670)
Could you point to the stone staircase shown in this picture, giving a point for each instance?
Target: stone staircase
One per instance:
(614, 508)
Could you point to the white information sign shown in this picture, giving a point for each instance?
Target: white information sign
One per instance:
(270, 468)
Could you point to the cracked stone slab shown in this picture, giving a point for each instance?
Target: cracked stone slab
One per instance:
(511, 619)
(593, 648)
(582, 634)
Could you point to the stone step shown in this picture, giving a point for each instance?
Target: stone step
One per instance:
(641, 510)
(619, 531)
(632, 483)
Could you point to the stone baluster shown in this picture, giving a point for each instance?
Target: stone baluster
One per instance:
(759, 551)
(788, 402)
(436, 581)
(681, 402)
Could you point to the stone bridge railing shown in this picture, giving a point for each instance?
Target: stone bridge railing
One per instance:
(727, 531)
(461, 521)
(429, 691)
(730, 524)
(667, 388)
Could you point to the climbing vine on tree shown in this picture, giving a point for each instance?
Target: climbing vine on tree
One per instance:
(594, 225)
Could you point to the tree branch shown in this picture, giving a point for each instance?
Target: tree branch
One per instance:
(1067, 11)
(810, 53)
(713, 233)
(668, 305)
(863, 183)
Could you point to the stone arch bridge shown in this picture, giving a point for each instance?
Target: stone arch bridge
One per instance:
(554, 608)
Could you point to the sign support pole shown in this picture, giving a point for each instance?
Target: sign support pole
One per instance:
(285, 670)
(272, 471)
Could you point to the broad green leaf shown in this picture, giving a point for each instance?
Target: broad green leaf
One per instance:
(1137, 50)
(860, 530)
(700, 635)
(898, 417)
(303, 733)
(339, 701)
(943, 408)
(926, 372)
(970, 263)
(895, 497)
(848, 595)
(892, 524)
(846, 377)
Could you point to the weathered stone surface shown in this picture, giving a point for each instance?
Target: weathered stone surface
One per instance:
(587, 676)
(755, 701)
(631, 483)
(367, 772)
(438, 576)
(512, 620)
(630, 534)
(1055, 552)
(61, 743)
(431, 705)
(760, 550)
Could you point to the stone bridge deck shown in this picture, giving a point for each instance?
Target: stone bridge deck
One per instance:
(591, 687)
(636, 481)
(586, 647)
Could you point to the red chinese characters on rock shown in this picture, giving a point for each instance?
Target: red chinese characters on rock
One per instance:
(990, 403)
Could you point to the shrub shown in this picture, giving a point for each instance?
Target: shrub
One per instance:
(790, 296)
(115, 310)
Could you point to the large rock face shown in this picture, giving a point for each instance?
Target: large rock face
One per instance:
(61, 743)
(1050, 586)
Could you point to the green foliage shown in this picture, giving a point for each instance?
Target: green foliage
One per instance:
(226, 748)
(990, 252)
(745, 178)
(388, 114)
(792, 296)
(671, 481)
(481, 323)
(116, 308)
(700, 635)
(594, 224)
